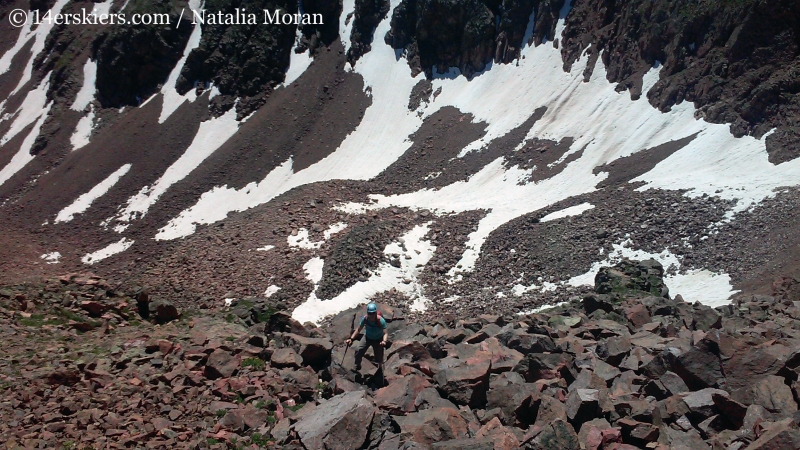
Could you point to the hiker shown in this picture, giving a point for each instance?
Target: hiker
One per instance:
(376, 335)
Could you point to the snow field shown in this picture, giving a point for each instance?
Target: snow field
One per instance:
(384, 278)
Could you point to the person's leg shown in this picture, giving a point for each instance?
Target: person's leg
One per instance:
(363, 345)
(376, 347)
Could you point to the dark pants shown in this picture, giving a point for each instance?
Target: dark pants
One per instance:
(363, 345)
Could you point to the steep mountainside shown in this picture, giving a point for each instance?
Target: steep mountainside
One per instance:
(470, 156)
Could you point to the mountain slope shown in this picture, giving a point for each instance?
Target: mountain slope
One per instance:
(491, 166)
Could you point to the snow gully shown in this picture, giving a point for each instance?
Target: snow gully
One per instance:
(240, 16)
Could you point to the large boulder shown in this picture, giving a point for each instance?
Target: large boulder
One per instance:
(339, 423)
(546, 366)
(526, 343)
(433, 425)
(701, 366)
(314, 351)
(221, 364)
(399, 396)
(465, 384)
(518, 403)
(162, 311)
(632, 278)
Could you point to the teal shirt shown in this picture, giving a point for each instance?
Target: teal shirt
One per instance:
(373, 331)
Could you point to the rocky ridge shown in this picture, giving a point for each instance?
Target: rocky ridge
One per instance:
(622, 369)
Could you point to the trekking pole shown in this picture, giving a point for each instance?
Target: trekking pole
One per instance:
(341, 364)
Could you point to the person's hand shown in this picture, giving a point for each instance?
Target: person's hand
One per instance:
(383, 343)
(348, 341)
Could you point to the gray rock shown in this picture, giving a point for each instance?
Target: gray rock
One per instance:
(339, 423)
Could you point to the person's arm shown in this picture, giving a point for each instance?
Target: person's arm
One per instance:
(355, 333)
(385, 333)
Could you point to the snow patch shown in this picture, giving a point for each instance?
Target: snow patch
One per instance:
(567, 212)
(702, 286)
(385, 277)
(107, 251)
(39, 35)
(313, 270)
(377, 142)
(83, 131)
(88, 89)
(172, 99)
(346, 25)
(302, 240)
(265, 248)
(51, 258)
(33, 110)
(272, 290)
(540, 309)
(82, 203)
(298, 62)
(333, 229)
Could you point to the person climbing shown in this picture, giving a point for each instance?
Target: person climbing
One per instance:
(375, 336)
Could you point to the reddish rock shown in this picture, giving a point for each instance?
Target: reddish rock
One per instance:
(95, 309)
(221, 364)
(313, 351)
(779, 436)
(399, 396)
(465, 384)
(285, 357)
(637, 315)
(555, 435)
(432, 425)
(503, 438)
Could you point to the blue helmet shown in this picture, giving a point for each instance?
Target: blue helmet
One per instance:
(372, 307)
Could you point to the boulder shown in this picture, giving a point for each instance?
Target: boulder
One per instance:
(734, 411)
(701, 404)
(746, 365)
(637, 315)
(282, 322)
(701, 367)
(632, 278)
(162, 311)
(547, 366)
(779, 436)
(285, 357)
(582, 405)
(314, 351)
(517, 403)
(221, 364)
(614, 350)
(502, 437)
(774, 395)
(465, 384)
(597, 434)
(433, 425)
(399, 396)
(526, 343)
(429, 398)
(557, 434)
(339, 423)
(681, 440)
